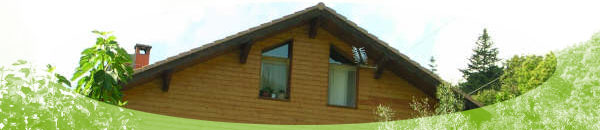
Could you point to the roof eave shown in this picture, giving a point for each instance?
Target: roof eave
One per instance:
(200, 53)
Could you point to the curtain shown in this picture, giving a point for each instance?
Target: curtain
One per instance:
(274, 74)
(342, 85)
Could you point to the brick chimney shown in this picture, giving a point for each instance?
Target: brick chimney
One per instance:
(142, 55)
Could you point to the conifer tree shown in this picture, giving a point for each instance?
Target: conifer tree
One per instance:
(482, 68)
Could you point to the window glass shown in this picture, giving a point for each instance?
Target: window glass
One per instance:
(338, 58)
(274, 73)
(331, 60)
(342, 81)
(279, 52)
(342, 85)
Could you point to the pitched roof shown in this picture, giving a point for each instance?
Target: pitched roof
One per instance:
(398, 63)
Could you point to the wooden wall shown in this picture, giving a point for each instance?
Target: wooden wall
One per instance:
(222, 89)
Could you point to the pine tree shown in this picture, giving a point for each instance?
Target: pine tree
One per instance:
(482, 68)
(432, 65)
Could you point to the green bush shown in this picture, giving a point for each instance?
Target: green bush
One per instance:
(522, 73)
(448, 102)
(487, 96)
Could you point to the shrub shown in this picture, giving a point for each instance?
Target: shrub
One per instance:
(449, 102)
(522, 73)
(487, 96)
(385, 115)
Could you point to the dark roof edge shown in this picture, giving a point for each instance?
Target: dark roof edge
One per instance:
(214, 43)
(468, 97)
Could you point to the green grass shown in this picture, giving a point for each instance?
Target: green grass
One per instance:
(568, 100)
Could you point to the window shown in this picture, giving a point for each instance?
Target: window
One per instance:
(274, 75)
(342, 81)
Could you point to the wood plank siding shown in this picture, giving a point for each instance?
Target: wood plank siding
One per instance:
(223, 89)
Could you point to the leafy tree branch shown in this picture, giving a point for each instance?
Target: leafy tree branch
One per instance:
(102, 69)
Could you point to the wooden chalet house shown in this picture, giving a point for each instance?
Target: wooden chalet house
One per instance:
(297, 69)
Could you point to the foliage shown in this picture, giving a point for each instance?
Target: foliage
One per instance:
(448, 102)
(422, 107)
(566, 100)
(487, 96)
(107, 67)
(482, 68)
(385, 115)
(522, 74)
(444, 114)
(34, 99)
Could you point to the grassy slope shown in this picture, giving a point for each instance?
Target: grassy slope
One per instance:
(568, 100)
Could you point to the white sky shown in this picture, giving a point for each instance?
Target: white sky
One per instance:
(55, 32)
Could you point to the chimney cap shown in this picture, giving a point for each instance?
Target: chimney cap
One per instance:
(142, 46)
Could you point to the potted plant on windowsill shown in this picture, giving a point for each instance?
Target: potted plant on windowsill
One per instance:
(281, 94)
(266, 92)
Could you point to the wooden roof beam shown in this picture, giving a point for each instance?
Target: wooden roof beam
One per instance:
(380, 65)
(314, 24)
(244, 51)
(166, 78)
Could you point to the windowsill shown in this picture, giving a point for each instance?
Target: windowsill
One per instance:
(274, 99)
(347, 107)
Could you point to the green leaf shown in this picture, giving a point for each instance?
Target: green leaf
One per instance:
(97, 32)
(14, 80)
(122, 52)
(82, 70)
(122, 103)
(80, 83)
(84, 59)
(110, 54)
(19, 62)
(25, 71)
(62, 79)
(99, 41)
(112, 38)
(26, 89)
(50, 68)
(88, 51)
(99, 75)
(41, 82)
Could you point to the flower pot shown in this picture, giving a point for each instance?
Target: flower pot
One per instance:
(265, 94)
(281, 95)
